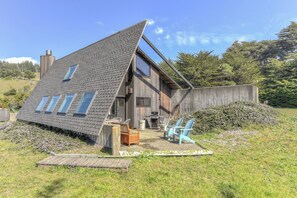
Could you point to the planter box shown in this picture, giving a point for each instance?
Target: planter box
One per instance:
(4, 115)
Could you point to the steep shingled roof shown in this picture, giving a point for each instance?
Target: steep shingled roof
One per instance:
(102, 67)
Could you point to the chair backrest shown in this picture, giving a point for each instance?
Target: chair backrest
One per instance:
(188, 126)
(179, 121)
(164, 120)
(125, 128)
(116, 120)
(126, 121)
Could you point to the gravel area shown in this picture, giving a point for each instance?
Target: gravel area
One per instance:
(153, 140)
(232, 138)
(38, 137)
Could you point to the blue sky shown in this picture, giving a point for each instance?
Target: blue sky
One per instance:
(30, 27)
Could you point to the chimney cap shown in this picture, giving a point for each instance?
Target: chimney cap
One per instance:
(48, 52)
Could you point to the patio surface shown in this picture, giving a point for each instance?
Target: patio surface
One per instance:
(153, 140)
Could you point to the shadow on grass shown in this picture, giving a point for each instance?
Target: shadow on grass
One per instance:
(106, 150)
(51, 190)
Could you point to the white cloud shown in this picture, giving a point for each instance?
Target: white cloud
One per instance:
(216, 40)
(167, 36)
(159, 30)
(19, 59)
(99, 23)
(185, 38)
(191, 38)
(150, 22)
(204, 40)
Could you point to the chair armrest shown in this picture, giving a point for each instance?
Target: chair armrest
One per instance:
(186, 129)
(138, 131)
(178, 127)
(182, 130)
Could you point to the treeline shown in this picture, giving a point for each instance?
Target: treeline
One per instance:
(269, 64)
(24, 70)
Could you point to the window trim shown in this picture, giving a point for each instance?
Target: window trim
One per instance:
(150, 105)
(38, 111)
(138, 71)
(74, 96)
(70, 77)
(47, 111)
(80, 102)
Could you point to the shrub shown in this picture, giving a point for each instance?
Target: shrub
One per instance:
(10, 92)
(234, 115)
(14, 99)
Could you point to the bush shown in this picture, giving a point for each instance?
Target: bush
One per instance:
(234, 115)
(10, 92)
(14, 99)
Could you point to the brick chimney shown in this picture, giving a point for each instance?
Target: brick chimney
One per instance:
(45, 62)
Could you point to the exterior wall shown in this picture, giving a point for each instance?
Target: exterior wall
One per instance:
(122, 91)
(190, 100)
(146, 87)
(165, 99)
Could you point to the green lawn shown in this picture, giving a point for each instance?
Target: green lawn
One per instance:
(265, 165)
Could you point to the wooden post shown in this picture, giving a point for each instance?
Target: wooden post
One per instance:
(116, 141)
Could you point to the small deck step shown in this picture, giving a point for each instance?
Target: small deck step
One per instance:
(102, 163)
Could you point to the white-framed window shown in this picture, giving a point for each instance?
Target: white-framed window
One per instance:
(50, 108)
(66, 103)
(85, 103)
(42, 103)
(70, 72)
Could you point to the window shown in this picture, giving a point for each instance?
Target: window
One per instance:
(42, 103)
(50, 108)
(143, 102)
(85, 103)
(66, 103)
(70, 72)
(142, 67)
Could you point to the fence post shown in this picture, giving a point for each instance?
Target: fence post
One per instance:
(116, 142)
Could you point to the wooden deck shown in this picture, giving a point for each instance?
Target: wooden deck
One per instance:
(88, 162)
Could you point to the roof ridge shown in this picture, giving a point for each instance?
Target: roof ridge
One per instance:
(103, 39)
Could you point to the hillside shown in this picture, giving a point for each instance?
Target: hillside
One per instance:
(6, 84)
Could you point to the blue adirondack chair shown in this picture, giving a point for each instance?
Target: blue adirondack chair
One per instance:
(169, 130)
(185, 132)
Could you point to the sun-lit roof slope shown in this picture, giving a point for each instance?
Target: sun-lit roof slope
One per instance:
(101, 69)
